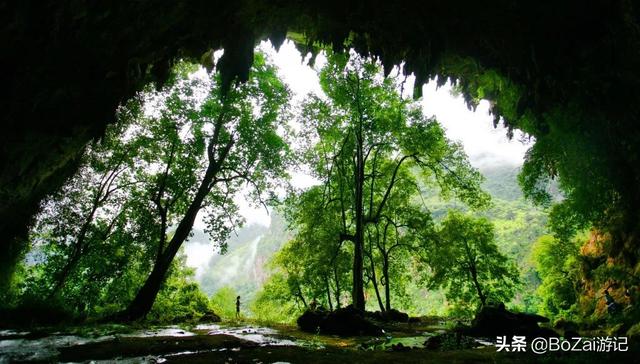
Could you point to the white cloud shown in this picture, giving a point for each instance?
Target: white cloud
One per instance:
(484, 144)
(293, 69)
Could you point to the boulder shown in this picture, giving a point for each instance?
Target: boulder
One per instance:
(433, 342)
(492, 321)
(391, 315)
(347, 321)
(210, 316)
(450, 341)
(399, 347)
(395, 316)
(311, 320)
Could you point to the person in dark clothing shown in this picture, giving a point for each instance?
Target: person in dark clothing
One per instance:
(238, 307)
(627, 294)
(612, 306)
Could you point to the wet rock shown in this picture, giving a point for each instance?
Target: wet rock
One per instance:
(493, 321)
(310, 321)
(450, 341)
(347, 321)
(142, 346)
(433, 342)
(392, 315)
(210, 317)
(399, 347)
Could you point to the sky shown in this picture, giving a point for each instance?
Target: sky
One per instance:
(485, 145)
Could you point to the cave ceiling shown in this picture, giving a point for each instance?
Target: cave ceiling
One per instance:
(67, 65)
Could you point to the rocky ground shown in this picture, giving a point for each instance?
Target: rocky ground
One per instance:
(418, 341)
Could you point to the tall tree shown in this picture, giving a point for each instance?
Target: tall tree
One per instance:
(315, 259)
(557, 264)
(361, 138)
(208, 146)
(466, 262)
(87, 209)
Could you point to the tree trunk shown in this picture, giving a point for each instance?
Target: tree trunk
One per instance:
(301, 296)
(337, 278)
(77, 249)
(387, 283)
(326, 280)
(375, 286)
(358, 271)
(474, 276)
(474, 272)
(143, 301)
(64, 274)
(146, 296)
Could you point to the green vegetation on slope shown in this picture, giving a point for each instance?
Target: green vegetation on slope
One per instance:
(517, 226)
(243, 267)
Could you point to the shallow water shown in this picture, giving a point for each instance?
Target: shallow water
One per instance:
(263, 336)
(248, 343)
(173, 331)
(43, 346)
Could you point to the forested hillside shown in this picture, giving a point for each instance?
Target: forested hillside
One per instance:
(244, 267)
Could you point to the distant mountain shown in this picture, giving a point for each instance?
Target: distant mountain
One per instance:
(502, 182)
(243, 266)
(518, 223)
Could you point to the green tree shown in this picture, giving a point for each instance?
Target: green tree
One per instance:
(466, 261)
(79, 238)
(274, 302)
(207, 151)
(557, 264)
(362, 137)
(85, 213)
(112, 234)
(180, 299)
(224, 302)
(316, 260)
(405, 229)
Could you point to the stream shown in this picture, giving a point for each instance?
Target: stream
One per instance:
(239, 343)
(222, 341)
(48, 346)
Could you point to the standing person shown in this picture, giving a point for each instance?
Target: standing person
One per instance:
(627, 294)
(238, 307)
(612, 306)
